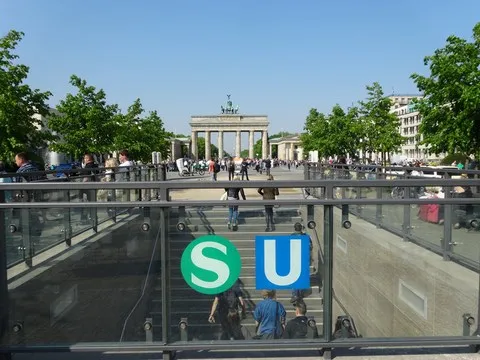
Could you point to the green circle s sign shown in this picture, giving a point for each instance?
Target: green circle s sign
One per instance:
(211, 264)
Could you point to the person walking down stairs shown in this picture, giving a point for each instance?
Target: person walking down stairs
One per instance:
(233, 195)
(269, 194)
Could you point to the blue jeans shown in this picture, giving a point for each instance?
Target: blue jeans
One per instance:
(232, 214)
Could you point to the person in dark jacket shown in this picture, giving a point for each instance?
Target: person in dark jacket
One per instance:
(88, 195)
(233, 195)
(269, 194)
(298, 328)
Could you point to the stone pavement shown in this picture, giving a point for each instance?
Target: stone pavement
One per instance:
(215, 194)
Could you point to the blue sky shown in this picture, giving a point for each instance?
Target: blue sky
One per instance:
(275, 57)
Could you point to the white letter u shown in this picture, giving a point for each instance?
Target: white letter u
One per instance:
(270, 263)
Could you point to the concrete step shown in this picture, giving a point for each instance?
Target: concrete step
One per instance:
(245, 212)
(247, 280)
(247, 270)
(203, 304)
(207, 331)
(222, 226)
(241, 233)
(185, 291)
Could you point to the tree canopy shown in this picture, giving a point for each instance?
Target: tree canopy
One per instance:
(19, 129)
(86, 123)
(368, 127)
(450, 108)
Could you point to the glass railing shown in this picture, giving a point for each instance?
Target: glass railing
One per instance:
(34, 231)
(425, 224)
(192, 271)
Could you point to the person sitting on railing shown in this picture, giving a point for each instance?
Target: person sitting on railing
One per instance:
(461, 213)
(88, 163)
(36, 217)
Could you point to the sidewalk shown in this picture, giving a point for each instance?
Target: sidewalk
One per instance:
(215, 194)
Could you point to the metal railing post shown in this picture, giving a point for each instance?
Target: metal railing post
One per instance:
(379, 192)
(25, 226)
(165, 269)
(406, 224)
(447, 225)
(67, 220)
(328, 267)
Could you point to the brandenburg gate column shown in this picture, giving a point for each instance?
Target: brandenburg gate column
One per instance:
(238, 143)
(264, 144)
(208, 146)
(220, 145)
(194, 145)
(251, 155)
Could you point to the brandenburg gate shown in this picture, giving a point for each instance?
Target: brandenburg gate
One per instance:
(229, 120)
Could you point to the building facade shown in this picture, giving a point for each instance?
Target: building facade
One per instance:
(289, 148)
(410, 121)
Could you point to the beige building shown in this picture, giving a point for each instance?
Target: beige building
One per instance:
(410, 120)
(288, 147)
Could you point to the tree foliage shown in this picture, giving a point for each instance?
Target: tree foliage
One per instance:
(201, 149)
(369, 127)
(86, 123)
(450, 108)
(141, 135)
(378, 126)
(19, 130)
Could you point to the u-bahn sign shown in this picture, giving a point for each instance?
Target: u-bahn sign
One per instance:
(282, 262)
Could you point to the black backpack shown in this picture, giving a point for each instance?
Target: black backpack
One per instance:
(230, 300)
(216, 168)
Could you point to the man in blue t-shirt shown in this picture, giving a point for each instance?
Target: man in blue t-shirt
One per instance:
(269, 316)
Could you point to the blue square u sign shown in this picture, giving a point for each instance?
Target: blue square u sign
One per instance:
(282, 262)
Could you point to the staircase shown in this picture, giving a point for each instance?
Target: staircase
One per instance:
(187, 303)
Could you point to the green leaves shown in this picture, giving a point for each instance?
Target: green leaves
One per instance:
(88, 124)
(19, 130)
(450, 109)
(369, 127)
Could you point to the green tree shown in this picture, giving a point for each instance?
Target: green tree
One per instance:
(141, 135)
(315, 137)
(343, 131)
(19, 130)
(201, 148)
(450, 108)
(244, 153)
(379, 127)
(86, 122)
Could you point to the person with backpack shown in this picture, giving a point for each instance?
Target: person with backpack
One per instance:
(269, 194)
(233, 195)
(299, 328)
(225, 308)
(298, 294)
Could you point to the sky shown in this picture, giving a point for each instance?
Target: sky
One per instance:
(275, 57)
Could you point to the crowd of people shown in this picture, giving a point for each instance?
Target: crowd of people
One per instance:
(229, 309)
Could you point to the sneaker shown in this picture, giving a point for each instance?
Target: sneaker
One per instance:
(229, 225)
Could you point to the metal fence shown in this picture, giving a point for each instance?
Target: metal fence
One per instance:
(409, 222)
(326, 191)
